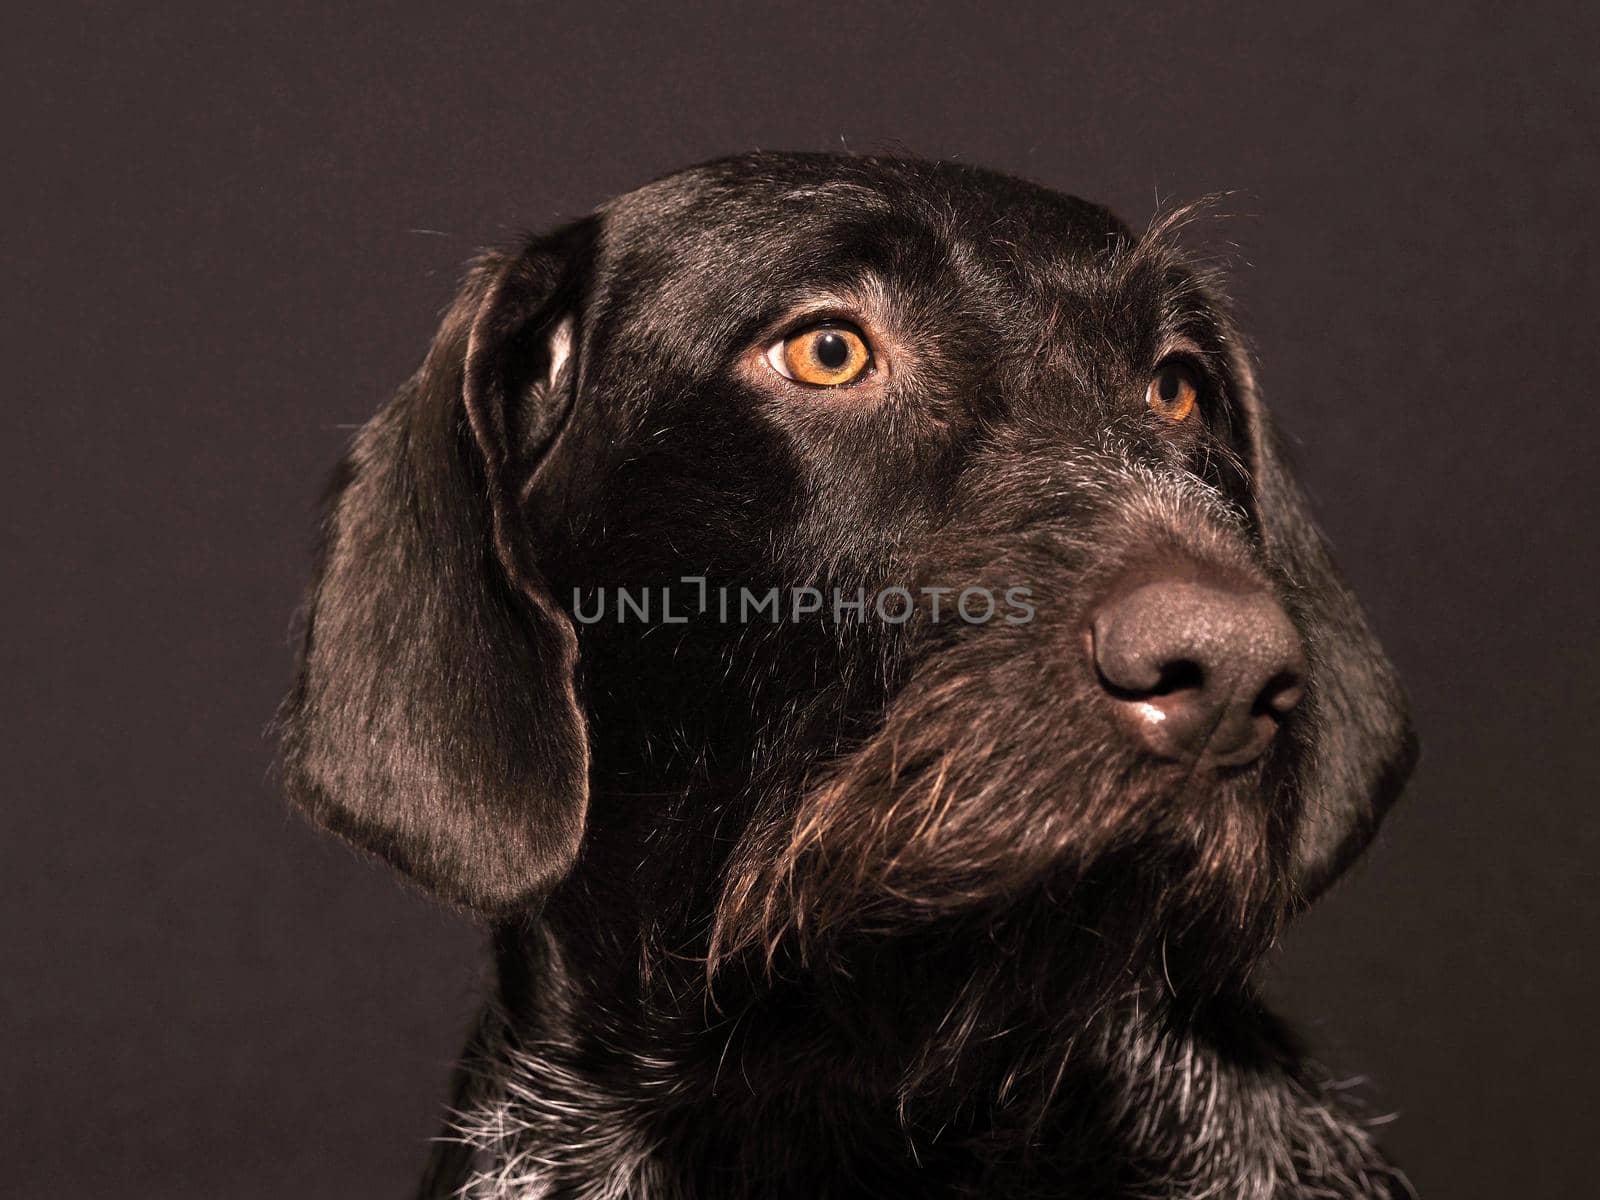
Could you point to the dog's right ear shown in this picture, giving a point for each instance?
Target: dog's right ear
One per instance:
(1365, 747)
(433, 721)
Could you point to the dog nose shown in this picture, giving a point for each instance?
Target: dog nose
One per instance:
(1199, 670)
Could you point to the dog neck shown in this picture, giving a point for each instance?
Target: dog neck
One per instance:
(564, 1094)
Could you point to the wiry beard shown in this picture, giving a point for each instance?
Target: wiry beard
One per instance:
(991, 925)
(942, 816)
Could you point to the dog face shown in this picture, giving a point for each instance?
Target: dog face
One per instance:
(979, 583)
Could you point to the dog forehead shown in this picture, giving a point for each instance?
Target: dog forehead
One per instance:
(734, 221)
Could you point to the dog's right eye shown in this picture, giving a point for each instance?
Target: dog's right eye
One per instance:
(832, 354)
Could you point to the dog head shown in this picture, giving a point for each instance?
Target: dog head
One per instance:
(858, 544)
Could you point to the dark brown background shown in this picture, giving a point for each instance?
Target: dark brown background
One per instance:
(228, 239)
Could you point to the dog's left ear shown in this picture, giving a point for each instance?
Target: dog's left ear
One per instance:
(1364, 748)
(433, 722)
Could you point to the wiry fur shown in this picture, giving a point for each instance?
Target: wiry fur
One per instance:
(839, 908)
(1185, 1121)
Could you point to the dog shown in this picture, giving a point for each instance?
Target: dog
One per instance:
(848, 627)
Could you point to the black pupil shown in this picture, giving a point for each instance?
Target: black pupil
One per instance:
(831, 350)
(1170, 385)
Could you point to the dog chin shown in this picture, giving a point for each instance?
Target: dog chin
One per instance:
(1185, 883)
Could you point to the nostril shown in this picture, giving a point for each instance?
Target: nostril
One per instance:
(1135, 653)
(1132, 676)
(1181, 675)
(1280, 695)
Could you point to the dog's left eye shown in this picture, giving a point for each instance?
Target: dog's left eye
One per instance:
(1173, 391)
(828, 355)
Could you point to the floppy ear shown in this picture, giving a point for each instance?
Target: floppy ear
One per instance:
(1364, 747)
(433, 721)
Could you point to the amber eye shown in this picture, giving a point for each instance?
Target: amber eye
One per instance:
(829, 355)
(1173, 391)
